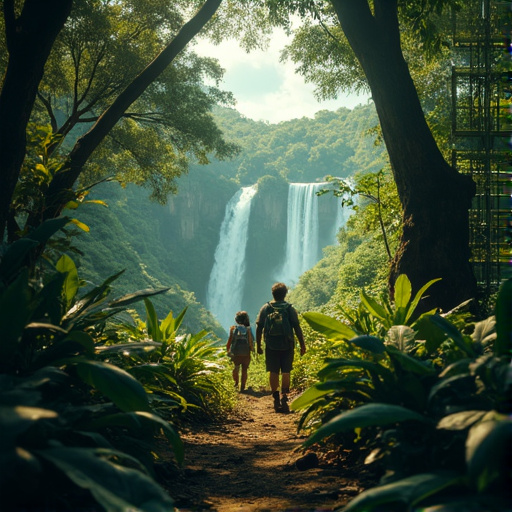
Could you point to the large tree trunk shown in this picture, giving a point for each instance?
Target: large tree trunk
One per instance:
(30, 38)
(435, 198)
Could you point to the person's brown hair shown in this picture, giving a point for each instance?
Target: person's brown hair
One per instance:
(242, 318)
(279, 291)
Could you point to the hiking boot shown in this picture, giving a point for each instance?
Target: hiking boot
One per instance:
(277, 403)
(284, 405)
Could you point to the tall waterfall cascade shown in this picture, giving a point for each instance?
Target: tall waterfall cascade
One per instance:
(227, 278)
(302, 247)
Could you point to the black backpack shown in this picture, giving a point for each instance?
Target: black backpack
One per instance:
(240, 343)
(277, 328)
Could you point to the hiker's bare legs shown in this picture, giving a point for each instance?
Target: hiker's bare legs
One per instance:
(244, 378)
(274, 381)
(235, 375)
(285, 383)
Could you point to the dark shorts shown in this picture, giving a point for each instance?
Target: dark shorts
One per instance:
(279, 360)
(242, 360)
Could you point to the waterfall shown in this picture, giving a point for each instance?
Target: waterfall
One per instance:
(302, 246)
(227, 278)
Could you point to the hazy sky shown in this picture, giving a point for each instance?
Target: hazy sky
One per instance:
(266, 89)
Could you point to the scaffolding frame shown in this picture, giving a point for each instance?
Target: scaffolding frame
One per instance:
(482, 133)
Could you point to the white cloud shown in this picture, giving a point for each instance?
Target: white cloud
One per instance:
(266, 89)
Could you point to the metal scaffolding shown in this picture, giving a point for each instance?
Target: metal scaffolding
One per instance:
(482, 132)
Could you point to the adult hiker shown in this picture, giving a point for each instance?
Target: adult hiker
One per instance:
(278, 321)
(240, 345)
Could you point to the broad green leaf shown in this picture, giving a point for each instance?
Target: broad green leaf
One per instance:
(168, 326)
(403, 290)
(335, 364)
(67, 266)
(331, 328)
(95, 296)
(369, 415)
(17, 420)
(488, 453)
(116, 488)
(125, 391)
(413, 305)
(14, 257)
(431, 333)
(409, 363)
(485, 331)
(139, 421)
(401, 336)
(453, 333)
(47, 229)
(374, 307)
(15, 313)
(152, 321)
(130, 298)
(308, 397)
(408, 491)
(179, 319)
(370, 343)
(460, 420)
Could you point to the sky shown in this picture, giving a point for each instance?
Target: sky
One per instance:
(266, 89)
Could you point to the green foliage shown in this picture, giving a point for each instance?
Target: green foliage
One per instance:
(359, 260)
(429, 409)
(302, 150)
(177, 370)
(75, 430)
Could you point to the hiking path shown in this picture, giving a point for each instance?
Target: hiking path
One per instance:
(251, 463)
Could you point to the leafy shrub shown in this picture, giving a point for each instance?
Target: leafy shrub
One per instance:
(177, 370)
(75, 430)
(434, 410)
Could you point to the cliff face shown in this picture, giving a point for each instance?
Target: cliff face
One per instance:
(176, 243)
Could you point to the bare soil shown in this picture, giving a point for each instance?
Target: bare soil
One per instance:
(251, 463)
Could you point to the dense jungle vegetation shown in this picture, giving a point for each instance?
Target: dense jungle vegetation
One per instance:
(99, 368)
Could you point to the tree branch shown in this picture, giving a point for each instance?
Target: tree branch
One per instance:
(85, 146)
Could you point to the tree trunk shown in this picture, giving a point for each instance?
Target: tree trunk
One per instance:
(59, 191)
(30, 38)
(435, 198)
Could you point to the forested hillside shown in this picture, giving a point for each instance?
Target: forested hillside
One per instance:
(173, 245)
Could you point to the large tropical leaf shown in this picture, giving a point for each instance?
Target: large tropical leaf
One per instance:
(403, 290)
(375, 308)
(413, 305)
(67, 266)
(336, 364)
(131, 298)
(401, 336)
(409, 363)
(488, 452)
(370, 343)
(368, 415)
(331, 328)
(116, 488)
(404, 493)
(453, 333)
(138, 422)
(16, 420)
(118, 385)
(15, 312)
(152, 321)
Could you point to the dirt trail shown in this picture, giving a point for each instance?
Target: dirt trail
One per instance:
(248, 464)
